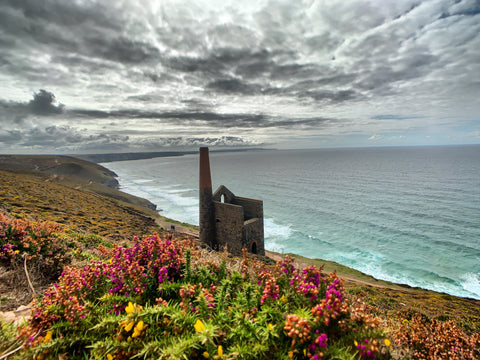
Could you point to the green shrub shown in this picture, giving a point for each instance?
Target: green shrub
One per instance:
(152, 301)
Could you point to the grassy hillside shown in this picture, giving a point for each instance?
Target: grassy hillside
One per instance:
(73, 172)
(61, 166)
(39, 196)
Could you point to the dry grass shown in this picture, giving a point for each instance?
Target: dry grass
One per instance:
(43, 197)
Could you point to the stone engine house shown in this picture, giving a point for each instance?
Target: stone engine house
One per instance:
(227, 219)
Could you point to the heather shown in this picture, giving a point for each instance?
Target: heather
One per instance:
(166, 298)
(39, 243)
(161, 298)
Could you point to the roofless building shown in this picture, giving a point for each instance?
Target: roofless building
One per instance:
(227, 219)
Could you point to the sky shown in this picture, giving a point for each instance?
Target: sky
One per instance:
(95, 76)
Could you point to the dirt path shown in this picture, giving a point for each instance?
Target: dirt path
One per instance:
(177, 228)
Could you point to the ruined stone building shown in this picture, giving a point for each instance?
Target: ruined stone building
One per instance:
(227, 219)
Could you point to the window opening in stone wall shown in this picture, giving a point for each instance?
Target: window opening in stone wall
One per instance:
(254, 247)
(222, 198)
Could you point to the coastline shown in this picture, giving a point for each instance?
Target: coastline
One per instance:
(112, 157)
(386, 296)
(406, 284)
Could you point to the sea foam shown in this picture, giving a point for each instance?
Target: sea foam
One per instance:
(471, 283)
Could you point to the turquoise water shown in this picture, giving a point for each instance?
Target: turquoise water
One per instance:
(407, 215)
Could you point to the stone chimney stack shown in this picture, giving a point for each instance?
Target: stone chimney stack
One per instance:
(207, 211)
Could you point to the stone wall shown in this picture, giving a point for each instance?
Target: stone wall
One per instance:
(228, 196)
(253, 236)
(252, 208)
(229, 225)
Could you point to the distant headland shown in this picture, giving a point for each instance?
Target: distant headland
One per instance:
(111, 157)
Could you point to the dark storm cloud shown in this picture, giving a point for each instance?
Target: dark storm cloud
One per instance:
(210, 119)
(234, 86)
(122, 49)
(43, 104)
(255, 71)
(178, 117)
(332, 96)
(67, 13)
(217, 64)
(77, 39)
(41, 21)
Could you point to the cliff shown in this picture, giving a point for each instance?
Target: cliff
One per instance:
(198, 298)
(72, 172)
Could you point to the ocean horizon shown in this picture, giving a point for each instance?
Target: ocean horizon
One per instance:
(409, 215)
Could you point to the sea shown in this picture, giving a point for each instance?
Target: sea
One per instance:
(409, 215)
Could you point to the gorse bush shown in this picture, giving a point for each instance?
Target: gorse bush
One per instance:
(41, 243)
(159, 300)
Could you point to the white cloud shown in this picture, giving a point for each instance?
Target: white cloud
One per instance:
(375, 137)
(284, 66)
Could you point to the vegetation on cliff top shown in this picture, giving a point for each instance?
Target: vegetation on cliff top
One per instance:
(160, 297)
(165, 298)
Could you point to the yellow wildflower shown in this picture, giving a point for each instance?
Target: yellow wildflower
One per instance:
(109, 357)
(290, 354)
(283, 299)
(199, 326)
(130, 308)
(110, 261)
(270, 326)
(387, 342)
(206, 355)
(48, 337)
(17, 251)
(129, 326)
(355, 342)
(220, 350)
(138, 329)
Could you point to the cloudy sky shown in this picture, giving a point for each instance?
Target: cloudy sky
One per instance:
(82, 76)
